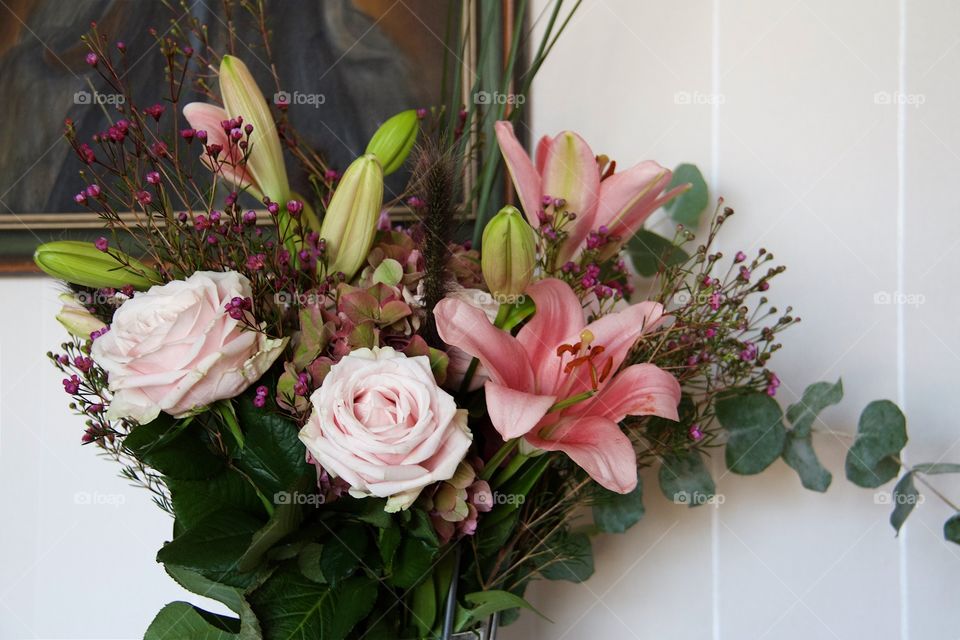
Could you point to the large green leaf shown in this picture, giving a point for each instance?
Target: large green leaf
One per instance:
(214, 546)
(650, 253)
(571, 559)
(195, 499)
(487, 603)
(799, 454)
(754, 423)
(273, 457)
(684, 479)
(615, 512)
(688, 206)
(343, 553)
(173, 448)
(414, 559)
(881, 434)
(230, 596)
(183, 621)
(284, 521)
(292, 607)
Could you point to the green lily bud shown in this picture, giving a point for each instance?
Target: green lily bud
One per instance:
(82, 263)
(350, 223)
(509, 253)
(76, 319)
(394, 139)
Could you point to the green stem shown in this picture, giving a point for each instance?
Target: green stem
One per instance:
(498, 458)
(510, 470)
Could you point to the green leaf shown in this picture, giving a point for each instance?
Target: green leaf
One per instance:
(905, 497)
(936, 468)
(230, 596)
(487, 603)
(881, 434)
(183, 621)
(688, 206)
(284, 521)
(424, 606)
(343, 553)
(309, 562)
(413, 560)
(570, 559)
(214, 546)
(274, 458)
(951, 529)
(650, 253)
(195, 499)
(224, 409)
(816, 398)
(799, 454)
(172, 449)
(292, 607)
(388, 541)
(754, 423)
(684, 479)
(615, 512)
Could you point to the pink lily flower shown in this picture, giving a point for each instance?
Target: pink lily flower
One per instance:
(558, 383)
(565, 167)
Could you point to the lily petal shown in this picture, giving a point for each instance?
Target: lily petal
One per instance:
(617, 332)
(526, 178)
(626, 197)
(543, 150)
(463, 325)
(570, 172)
(639, 390)
(207, 117)
(558, 316)
(514, 413)
(598, 446)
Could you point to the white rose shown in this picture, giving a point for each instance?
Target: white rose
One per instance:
(175, 348)
(381, 423)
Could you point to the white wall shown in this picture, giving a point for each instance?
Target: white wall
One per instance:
(855, 196)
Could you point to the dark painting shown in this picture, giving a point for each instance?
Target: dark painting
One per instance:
(344, 66)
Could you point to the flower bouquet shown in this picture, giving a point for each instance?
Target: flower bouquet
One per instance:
(369, 428)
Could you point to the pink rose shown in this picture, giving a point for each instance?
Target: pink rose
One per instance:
(381, 423)
(175, 348)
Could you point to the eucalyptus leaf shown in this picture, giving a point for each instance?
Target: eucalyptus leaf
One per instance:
(881, 434)
(816, 398)
(615, 512)
(754, 423)
(689, 205)
(905, 497)
(650, 252)
(684, 479)
(951, 529)
(570, 559)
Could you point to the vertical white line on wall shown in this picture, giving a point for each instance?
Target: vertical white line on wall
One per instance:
(715, 183)
(901, 287)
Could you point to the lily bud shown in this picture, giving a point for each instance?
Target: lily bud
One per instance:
(76, 319)
(509, 253)
(350, 223)
(242, 97)
(84, 264)
(394, 139)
